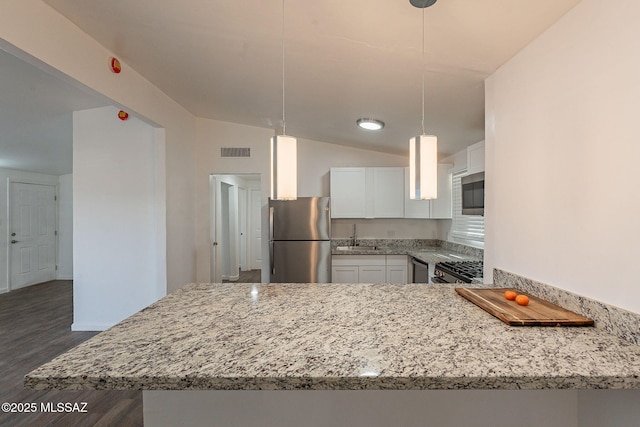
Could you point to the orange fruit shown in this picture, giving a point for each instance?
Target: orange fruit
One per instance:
(510, 295)
(522, 300)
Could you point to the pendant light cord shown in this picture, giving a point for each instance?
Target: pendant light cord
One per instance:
(423, 133)
(284, 126)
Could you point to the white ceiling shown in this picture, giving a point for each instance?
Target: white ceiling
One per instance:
(344, 59)
(36, 117)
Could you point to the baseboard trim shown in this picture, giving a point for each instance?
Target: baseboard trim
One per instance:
(4, 290)
(87, 327)
(65, 277)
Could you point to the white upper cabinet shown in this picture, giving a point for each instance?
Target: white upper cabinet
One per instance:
(475, 158)
(387, 192)
(348, 192)
(367, 192)
(439, 208)
(383, 192)
(415, 208)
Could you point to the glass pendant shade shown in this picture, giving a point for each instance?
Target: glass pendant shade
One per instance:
(423, 167)
(284, 168)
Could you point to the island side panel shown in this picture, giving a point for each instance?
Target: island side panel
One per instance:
(444, 408)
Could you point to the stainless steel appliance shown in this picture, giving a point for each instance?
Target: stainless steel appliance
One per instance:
(473, 194)
(300, 240)
(457, 272)
(420, 271)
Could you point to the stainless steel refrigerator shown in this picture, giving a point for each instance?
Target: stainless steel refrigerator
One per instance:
(300, 240)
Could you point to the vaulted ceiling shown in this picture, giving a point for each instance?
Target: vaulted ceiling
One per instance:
(344, 59)
(36, 128)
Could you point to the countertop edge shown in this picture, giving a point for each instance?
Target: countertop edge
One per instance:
(336, 383)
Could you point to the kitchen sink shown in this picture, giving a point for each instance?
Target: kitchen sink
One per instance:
(356, 248)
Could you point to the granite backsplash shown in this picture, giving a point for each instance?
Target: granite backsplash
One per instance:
(412, 244)
(617, 321)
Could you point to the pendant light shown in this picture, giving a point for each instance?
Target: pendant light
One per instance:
(423, 149)
(284, 156)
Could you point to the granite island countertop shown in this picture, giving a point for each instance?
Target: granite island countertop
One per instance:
(335, 336)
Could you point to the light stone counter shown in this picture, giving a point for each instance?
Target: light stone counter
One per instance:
(434, 256)
(429, 255)
(427, 251)
(335, 337)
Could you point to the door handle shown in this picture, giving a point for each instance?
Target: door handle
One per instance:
(272, 215)
(15, 241)
(271, 260)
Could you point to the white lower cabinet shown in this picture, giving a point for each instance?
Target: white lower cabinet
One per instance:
(397, 267)
(372, 274)
(369, 269)
(344, 273)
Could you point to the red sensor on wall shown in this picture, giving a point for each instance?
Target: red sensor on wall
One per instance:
(115, 66)
(123, 115)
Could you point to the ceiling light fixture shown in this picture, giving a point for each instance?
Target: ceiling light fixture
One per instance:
(284, 155)
(370, 124)
(423, 149)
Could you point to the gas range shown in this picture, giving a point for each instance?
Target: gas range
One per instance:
(457, 271)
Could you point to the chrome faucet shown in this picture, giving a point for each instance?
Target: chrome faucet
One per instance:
(354, 241)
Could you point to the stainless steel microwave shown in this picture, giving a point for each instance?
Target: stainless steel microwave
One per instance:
(473, 194)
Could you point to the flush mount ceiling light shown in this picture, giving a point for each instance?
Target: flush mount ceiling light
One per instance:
(423, 149)
(370, 124)
(422, 3)
(284, 155)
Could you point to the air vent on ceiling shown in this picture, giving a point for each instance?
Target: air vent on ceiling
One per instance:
(235, 152)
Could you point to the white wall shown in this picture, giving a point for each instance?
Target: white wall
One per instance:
(38, 34)
(315, 158)
(115, 223)
(392, 228)
(6, 176)
(562, 156)
(65, 227)
(314, 161)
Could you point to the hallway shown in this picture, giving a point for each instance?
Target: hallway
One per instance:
(251, 276)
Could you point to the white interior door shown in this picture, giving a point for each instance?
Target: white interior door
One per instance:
(216, 225)
(33, 233)
(242, 228)
(255, 227)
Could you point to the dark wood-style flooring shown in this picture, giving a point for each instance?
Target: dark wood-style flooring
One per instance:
(35, 326)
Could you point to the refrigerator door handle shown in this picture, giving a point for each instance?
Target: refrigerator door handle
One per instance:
(271, 214)
(273, 270)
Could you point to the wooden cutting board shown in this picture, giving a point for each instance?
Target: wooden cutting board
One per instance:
(538, 313)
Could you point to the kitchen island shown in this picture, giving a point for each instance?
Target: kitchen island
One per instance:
(341, 337)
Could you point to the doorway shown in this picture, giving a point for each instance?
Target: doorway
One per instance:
(236, 230)
(33, 238)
